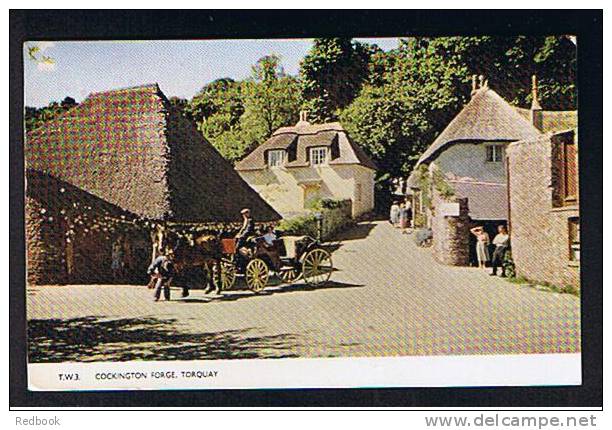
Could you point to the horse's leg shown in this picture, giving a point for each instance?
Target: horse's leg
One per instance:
(217, 263)
(209, 277)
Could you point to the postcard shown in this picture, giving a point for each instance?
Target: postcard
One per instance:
(302, 213)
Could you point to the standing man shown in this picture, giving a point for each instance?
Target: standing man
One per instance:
(247, 230)
(501, 242)
(163, 268)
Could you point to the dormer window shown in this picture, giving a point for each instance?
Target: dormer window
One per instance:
(276, 158)
(318, 156)
(495, 153)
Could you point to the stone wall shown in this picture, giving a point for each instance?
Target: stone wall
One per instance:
(539, 231)
(451, 235)
(45, 255)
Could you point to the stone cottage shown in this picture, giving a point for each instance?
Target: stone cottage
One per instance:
(104, 176)
(544, 208)
(300, 164)
(463, 174)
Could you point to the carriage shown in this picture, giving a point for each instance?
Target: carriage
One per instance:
(289, 258)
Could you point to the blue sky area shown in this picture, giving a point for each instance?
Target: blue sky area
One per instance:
(180, 68)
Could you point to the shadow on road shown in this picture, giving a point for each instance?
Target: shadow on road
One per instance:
(359, 231)
(233, 295)
(96, 339)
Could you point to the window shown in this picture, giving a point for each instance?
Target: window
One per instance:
(574, 238)
(570, 171)
(565, 169)
(358, 193)
(495, 153)
(318, 156)
(276, 158)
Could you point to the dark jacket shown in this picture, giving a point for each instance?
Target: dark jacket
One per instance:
(163, 266)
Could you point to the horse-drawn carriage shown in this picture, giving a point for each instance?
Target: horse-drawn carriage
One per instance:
(290, 258)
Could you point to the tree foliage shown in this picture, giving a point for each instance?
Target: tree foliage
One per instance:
(237, 116)
(34, 117)
(413, 92)
(331, 75)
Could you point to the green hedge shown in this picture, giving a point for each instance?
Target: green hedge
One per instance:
(336, 216)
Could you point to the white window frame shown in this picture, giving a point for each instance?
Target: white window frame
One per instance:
(496, 152)
(276, 158)
(318, 160)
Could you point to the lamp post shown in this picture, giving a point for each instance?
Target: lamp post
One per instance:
(319, 217)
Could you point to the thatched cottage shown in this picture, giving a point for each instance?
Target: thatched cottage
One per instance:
(461, 180)
(104, 174)
(300, 164)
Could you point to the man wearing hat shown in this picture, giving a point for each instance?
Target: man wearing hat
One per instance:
(247, 230)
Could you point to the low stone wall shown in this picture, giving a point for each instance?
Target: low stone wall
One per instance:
(451, 234)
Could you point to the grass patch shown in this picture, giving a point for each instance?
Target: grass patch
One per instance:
(545, 286)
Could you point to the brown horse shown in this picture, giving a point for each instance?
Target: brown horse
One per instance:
(203, 253)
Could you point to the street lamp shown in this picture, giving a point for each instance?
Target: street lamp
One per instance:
(319, 217)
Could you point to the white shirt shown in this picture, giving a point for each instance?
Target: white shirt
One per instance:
(501, 239)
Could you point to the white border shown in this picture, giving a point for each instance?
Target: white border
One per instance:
(354, 372)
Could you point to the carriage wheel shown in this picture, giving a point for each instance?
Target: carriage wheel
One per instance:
(289, 275)
(317, 267)
(257, 273)
(228, 274)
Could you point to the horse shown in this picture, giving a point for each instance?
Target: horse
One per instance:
(204, 252)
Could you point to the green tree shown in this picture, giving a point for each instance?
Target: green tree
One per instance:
(331, 75)
(412, 93)
(272, 98)
(35, 117)
(237, 116)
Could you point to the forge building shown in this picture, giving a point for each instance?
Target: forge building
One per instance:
(104, 174)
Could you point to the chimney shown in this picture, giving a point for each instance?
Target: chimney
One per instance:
(536, 108)
(474, 88)
(303, 118)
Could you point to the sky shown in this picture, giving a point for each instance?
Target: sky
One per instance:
(180, 68)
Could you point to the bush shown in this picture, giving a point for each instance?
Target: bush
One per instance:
(300, 225)
(336, 216)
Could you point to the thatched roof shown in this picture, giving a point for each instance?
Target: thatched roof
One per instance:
(297, 139)
(130, 148)
(487, 117)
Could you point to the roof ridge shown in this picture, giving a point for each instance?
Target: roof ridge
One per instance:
(154, 85)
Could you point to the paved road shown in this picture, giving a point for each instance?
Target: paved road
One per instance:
(388, 298)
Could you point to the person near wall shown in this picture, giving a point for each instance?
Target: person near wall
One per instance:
(163, 270)
(403, 217)
(409, 212)
(117, 259)
(394, 214)
(501, 242)
(482, 246)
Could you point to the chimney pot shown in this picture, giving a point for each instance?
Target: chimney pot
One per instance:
(474, 88)
(535, 102)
